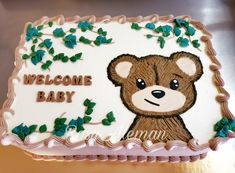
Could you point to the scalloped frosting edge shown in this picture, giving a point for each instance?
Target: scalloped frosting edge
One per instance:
(222, 99)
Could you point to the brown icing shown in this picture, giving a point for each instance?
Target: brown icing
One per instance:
(222, 98)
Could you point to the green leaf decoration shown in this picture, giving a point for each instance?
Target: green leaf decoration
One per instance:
(72, 30)
(50, 24)
(37, 57)
(25, 56)
(149, 36)
(60, 120)
(39, 34)
(33, 48)
(135, 26)
(196, 43)
(58, 57)
(76, 57)
(101, 40)
(51, 51)
(162, 41)
(41, 44)
(150, 26)
(184, 42)
(106, 122)
(91, 105)
(58, 32)
(89, 111)
(31, 32)
(177, 31)
(86, 119)
(86, 102)
(33, 128)
(158, 29)
(190, 31)
(110, 117)
(70, 41)
(46, 65)
(101, 32)
(47, 43)
(40, 27)
(65, 59)
(85, 40)
(43, 128)
(80, 128)
(35, 40)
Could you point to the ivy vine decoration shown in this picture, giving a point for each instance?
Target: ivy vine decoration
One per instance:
(181, 29)
(41, 46)
(62, 125)
(224, 126)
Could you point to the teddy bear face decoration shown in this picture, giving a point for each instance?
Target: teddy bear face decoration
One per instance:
(155, 85)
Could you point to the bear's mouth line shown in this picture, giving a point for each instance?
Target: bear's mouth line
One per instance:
(151, 102)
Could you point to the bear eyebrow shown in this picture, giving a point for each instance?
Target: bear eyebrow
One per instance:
(177, 75)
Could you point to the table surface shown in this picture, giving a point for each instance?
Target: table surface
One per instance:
(217, 15)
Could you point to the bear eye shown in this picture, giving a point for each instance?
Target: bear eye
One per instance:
(140, 84)
(174, 84)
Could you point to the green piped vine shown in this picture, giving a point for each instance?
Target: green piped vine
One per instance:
(181, 29)
(223, 127)
(62, 125)
(42, 46)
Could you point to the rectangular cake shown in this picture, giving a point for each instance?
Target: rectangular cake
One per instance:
(116, 88)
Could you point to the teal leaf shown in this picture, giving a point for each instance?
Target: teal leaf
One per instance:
(181, 22)
(70, 41)
(43, 128)
(58, 32)
(177, 31)
(47, 43)
(135, 26)
(150, 26)
(73, 122)
(190, 31)
(85, 25)
(184, 42)
(37, 57)
(31, 32)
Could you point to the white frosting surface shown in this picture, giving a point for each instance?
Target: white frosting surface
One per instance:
(199, 119)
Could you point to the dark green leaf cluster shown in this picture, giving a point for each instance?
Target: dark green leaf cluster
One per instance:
(62, 57)
(109, 119)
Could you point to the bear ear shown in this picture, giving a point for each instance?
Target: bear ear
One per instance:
(120, 67)
(189, 64)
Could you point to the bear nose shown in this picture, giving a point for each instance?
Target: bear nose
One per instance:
(158, 93)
